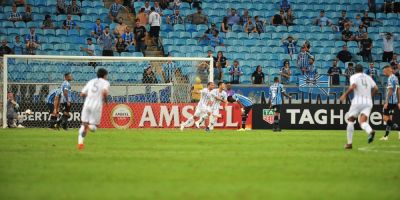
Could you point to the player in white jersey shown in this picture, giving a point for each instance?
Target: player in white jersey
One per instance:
(364, 89)
(203, 108)
(219, 95)
(96, 92)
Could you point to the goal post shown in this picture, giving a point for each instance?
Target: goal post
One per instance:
(136, 82)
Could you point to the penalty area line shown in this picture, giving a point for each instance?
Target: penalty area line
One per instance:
(375, 149)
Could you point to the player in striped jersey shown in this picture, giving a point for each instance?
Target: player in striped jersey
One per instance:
(53, 103)
(66, 100)
(218, 95)
(364, 89)
(275, 101)
(245, 104)
(391, 102)
(203, 108)
(95, 93)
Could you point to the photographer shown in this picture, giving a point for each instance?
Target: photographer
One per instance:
(388, 39)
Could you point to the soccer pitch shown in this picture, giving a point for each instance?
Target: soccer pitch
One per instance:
(159, 164)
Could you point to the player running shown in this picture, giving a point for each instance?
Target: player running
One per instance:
(245, 106)
(53, 103)
(391, 101)
(203, 108)
(364, 89)
(275, 101)
(66, 100)
(218, 95)
(96, 92)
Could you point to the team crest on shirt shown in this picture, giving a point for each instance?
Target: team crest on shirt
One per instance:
(121, 116)
(268, 115)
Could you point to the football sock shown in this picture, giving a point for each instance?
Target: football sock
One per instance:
(389, 125)
(244, 118)
(211, 121)
(276, 121)
(53, 121)
(188, 121)
(81, 135)
(366, 127)
(64, 120)
(202, 118)
(350, 130)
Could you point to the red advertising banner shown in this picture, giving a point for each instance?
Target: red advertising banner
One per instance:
(163, 115)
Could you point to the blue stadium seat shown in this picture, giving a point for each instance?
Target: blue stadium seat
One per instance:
(197, 49)
(255, 50)
(73, 32)
(184, 35)
(179, 27)
(191, 42)
(266, 49)
(13, 32)
(237, 28)
(238, 43)
(231, 35)
(61, 32)
(242, 35)
(232, 49)
(7, 24)
(191, 28)
(179, 42)
(59, 47)
(47, 47)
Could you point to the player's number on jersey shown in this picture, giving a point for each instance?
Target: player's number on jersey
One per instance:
(95, 87)
(364, 83)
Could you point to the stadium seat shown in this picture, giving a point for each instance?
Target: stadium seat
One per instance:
(242, 36)
(61, 32)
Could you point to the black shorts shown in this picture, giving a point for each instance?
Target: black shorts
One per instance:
(154, 31)
(50, 107)
(276, 108)
(66, 108)
(247, 110)
(389, 110)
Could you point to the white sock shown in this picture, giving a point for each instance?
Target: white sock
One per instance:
(81, 135)
(188, 121)
(202, 118)
(211, 121)
(366, 127)
(350, 130)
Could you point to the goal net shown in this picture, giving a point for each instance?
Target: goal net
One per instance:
(145, 91)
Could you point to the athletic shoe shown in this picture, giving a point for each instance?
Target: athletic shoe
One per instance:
(248, 129)
(197, 124)
(348, 146)
(207, 129)
(242, 129)
(371, 137)
(20, 126)
(182, 127)
(384, 138)
(81, 146)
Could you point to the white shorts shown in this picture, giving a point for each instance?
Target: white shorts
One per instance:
(357, 109)
(201, 110)
(91, 115)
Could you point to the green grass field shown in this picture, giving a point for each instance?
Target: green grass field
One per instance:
(150, 164)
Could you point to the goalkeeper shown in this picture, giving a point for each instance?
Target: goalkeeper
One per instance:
(13, 119)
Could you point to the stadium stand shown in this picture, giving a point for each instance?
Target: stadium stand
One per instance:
(264, 48)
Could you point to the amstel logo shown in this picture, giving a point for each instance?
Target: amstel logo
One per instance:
(122, 116)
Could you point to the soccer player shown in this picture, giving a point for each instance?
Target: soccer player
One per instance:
(53, 103)
(219, 95)
(65, 100)
(275, 101)
(96, 92)
(245, 104)
(203, 108)
(364, 89)
(391, 101)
